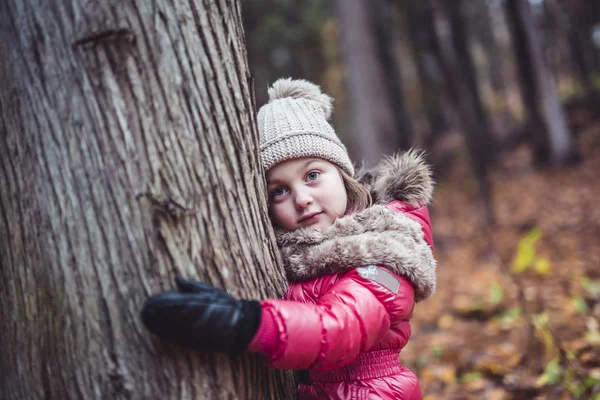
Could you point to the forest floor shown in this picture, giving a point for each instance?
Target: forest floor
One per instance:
(517, 308)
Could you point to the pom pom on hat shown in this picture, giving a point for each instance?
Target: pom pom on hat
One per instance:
(301, 89)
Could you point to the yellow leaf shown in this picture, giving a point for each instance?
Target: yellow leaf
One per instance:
(541, 319)
(542, 380)
(540, 322)
(446, 321)
(448, 375)
(496, 293)
(580, 304)
(551, 375)
(590, 286)
(526, 251)
(593, 336)
(542, 265)
(532, 236)
(509, 317)
(524, 258)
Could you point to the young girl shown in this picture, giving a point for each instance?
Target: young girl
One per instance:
(355, 270)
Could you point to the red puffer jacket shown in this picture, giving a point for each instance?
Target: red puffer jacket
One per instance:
(353, 289)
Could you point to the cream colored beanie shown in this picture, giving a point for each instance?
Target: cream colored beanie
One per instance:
(294, 124)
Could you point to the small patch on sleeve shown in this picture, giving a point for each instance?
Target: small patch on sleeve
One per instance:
(381, 276)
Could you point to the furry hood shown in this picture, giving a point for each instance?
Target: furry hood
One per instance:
(375, 236)
(402, 176)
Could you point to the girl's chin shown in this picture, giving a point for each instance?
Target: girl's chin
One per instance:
(322, 224)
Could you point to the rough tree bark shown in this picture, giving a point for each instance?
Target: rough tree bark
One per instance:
(584, 15)
(451, 46)
(526, 82)
(422, 42)
(129, 155)
(555, 145)
(566, 21)
(382, 21)
(479, 20)
(377, 118)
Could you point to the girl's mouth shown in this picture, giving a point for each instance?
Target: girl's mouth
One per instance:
(310, 218)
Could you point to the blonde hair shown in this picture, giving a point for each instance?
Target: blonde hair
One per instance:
(359, 198)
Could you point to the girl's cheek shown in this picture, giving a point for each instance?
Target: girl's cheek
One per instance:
(279, 213)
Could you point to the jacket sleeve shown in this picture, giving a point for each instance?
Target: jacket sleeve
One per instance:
(347, 320)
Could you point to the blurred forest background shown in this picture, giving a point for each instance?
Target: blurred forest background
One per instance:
(503, 96)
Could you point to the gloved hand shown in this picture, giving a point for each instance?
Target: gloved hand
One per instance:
(202, 317)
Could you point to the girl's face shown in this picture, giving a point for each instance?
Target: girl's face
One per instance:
(305, 192)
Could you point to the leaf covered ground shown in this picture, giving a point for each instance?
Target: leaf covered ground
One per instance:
(517, 310)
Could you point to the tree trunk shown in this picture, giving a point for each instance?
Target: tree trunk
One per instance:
(527, 85)
(381, 24)
(479, 20)
(422, 43)
(129, 155)
(586, 16)
(462, 85)
(574, 56)
(374, 113)
(557, 146)
(576, 45)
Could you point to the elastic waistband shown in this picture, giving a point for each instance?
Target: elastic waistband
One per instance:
(374, 364)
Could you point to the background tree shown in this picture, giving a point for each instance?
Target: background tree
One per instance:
(284, 39)
(584, 21)
(380, 123)
(489, 57)
(129, 155)
(451, 40)
(381, 18)
(419, 18)
(553, 143)
(567, 31)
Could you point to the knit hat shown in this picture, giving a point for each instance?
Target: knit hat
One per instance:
(294, 124)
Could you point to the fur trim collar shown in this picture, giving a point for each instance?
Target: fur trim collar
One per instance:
(376, 235)
(402, 176)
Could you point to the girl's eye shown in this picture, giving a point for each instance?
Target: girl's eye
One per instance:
(312, 175)
(278, 192)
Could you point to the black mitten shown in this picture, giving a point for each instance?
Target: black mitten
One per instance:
(202, 317)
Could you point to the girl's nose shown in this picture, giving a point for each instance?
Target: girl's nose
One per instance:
(303, 199)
